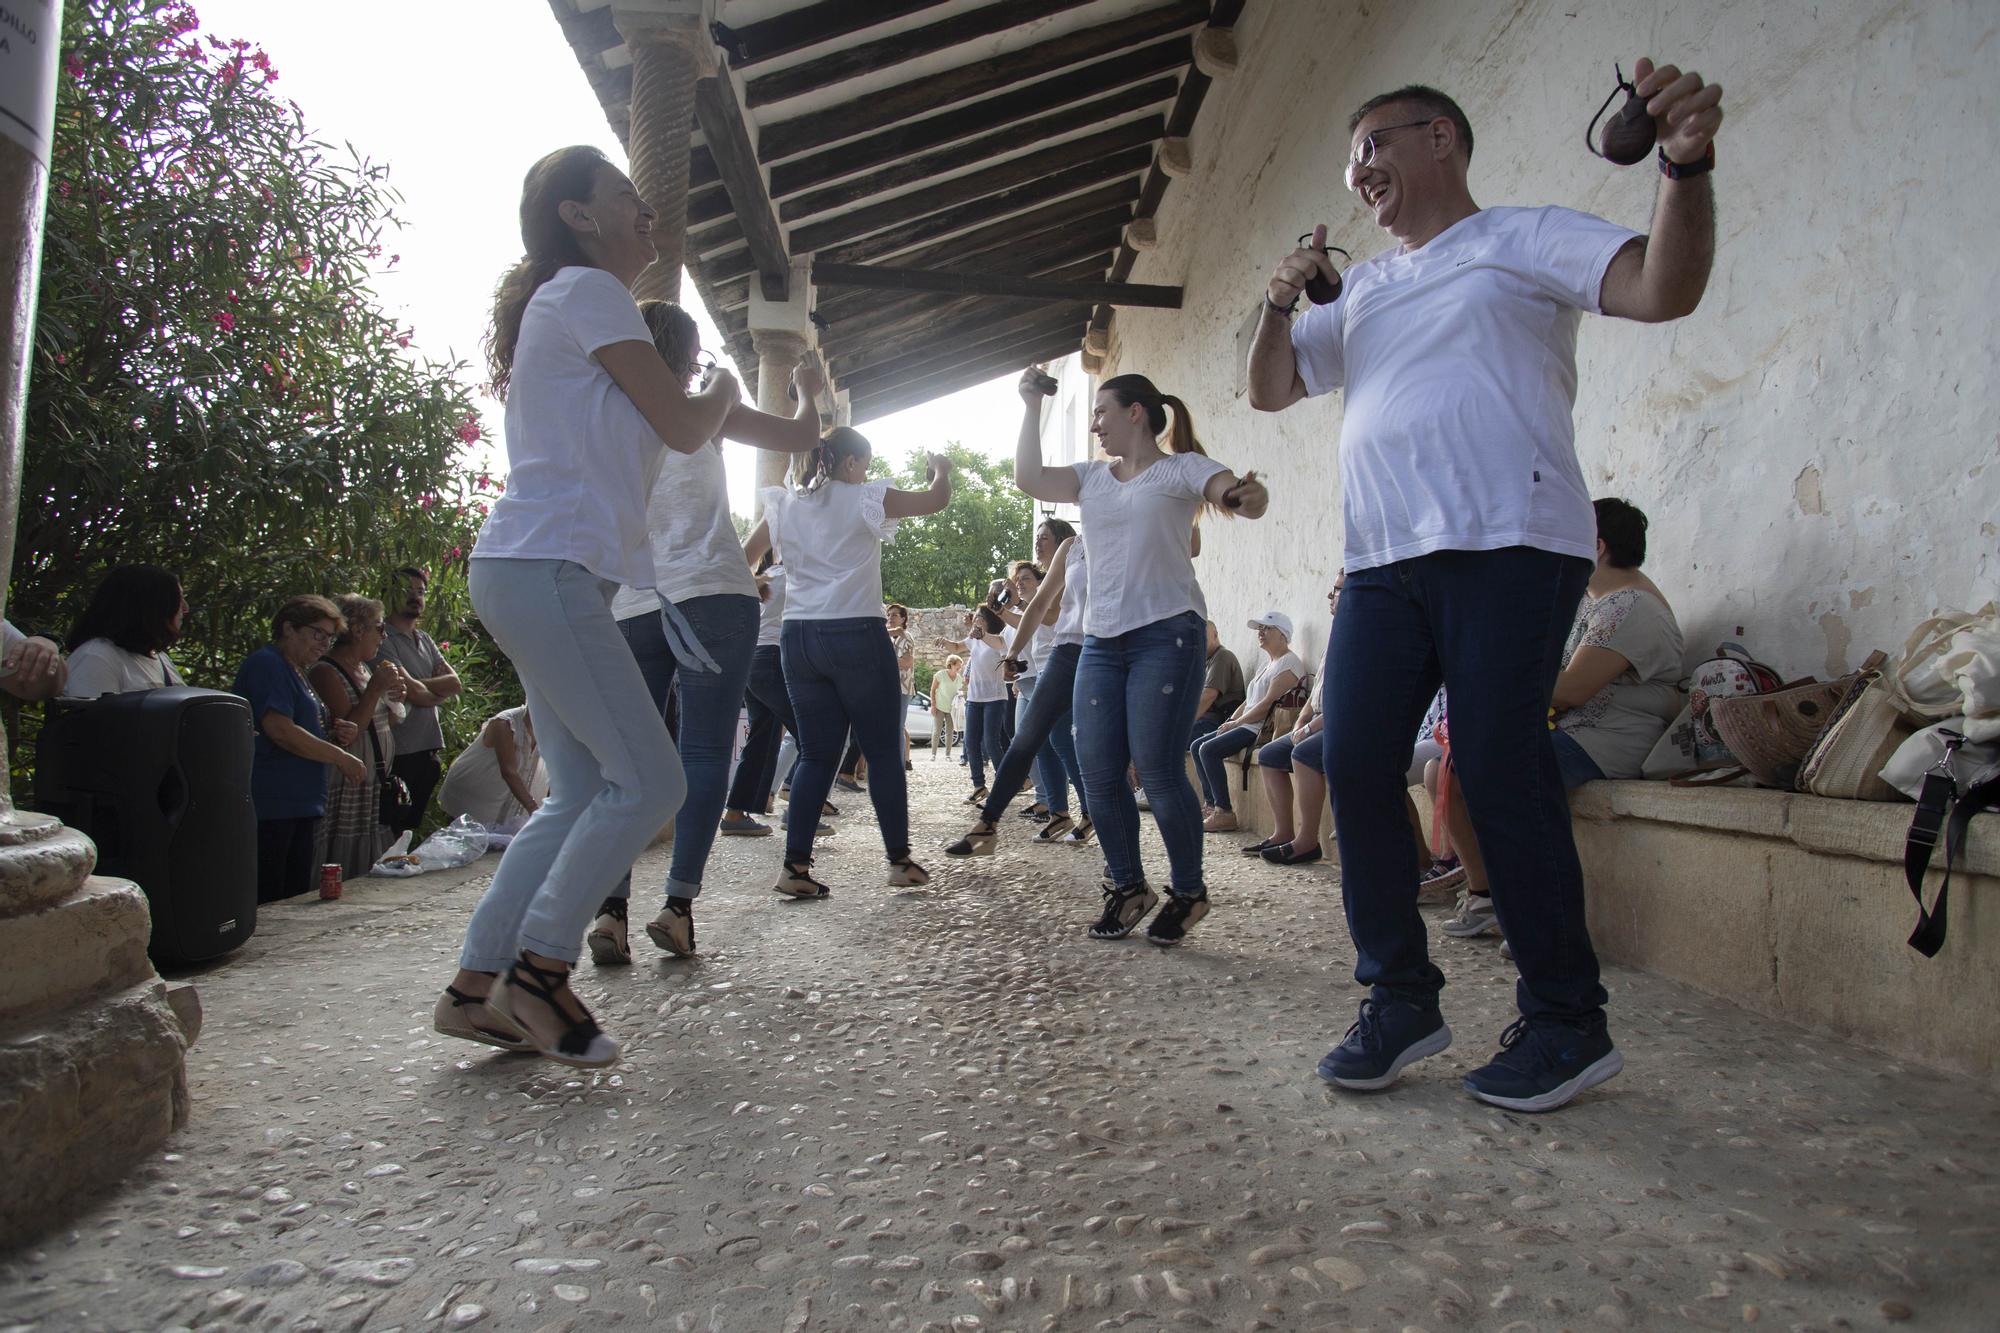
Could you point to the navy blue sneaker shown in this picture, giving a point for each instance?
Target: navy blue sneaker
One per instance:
(1542, 1065)
(1386, 1037)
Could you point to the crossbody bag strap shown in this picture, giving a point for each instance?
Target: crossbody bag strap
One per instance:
(360, 691)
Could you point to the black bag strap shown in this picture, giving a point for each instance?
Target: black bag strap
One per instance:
(1938, 813)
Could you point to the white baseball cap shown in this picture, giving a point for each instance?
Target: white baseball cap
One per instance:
(1277, 620)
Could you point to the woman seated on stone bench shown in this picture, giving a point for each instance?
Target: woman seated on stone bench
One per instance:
(1297, 755)
(1617, 692)
(1273, 681)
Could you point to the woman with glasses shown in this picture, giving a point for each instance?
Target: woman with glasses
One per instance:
(1145, 647)
(367, 696)
(292, 752)
(694, 632)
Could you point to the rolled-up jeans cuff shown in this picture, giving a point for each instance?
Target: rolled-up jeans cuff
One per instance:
(565, 953)
(680, 888)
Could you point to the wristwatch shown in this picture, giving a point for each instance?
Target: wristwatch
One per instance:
(1680, 171)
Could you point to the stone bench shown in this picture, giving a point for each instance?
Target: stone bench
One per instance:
(1792, 906)
(1795, 906)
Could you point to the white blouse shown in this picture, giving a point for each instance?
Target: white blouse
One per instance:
(984, 683)
(831, 540)
(1140, 530)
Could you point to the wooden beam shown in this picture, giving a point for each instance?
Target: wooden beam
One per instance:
(708, 204)
(984, 319)
(943, 192)
(782, 34)
(1036, 254)
(850, 62)
(1180, 123)
(1012, 126)
(1102, 151)
(819, 236)
(900, 241)
(995, 284)
(894, 398)
(590, 32)
(976, 340)
(926, 312)
(736, 162)
(883, 108)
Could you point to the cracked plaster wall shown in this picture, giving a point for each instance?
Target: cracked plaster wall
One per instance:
(1818, 447)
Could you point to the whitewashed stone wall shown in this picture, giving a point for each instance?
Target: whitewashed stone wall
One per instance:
(1816, 446)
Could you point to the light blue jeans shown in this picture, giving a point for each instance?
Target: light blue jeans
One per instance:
(614, 777)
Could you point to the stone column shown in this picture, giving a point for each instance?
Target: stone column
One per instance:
(671, 49)
(782, 333)
(92, 1051)
(779, 352)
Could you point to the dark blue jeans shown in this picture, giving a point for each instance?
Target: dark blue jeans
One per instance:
(1490, 625)
(770, 709)
(1210, 752)
(1135, 700)
(983, 742)
(842, 674)
(726, 625)
(1044, 726)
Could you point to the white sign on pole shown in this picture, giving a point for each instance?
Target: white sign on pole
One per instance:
(30, 39)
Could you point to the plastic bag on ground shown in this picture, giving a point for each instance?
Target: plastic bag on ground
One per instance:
(458, 843)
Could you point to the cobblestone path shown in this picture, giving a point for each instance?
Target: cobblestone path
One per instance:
(947, 1109)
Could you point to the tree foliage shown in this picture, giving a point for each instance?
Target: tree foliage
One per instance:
(216, 388)
(951, 557)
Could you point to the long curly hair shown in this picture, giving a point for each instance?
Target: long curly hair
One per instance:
(550, 243)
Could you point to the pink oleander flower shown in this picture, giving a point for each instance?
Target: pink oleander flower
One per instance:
(468, 431)
(427, 502)
(225, 321)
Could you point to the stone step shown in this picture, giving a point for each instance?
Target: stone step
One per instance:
(85, 1094)
(66, 951)
(41, 862)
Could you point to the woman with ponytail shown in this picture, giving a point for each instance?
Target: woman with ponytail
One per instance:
(840, 667)
(590, 407)
(1138, 678)
(694, 632)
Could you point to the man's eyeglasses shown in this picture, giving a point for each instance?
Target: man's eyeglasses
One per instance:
(1363, 156)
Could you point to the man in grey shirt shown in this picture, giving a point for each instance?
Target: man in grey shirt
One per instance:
(1221, 688)
(418, 737)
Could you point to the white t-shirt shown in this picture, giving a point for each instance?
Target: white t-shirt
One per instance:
(1139, 536)
(580, 459)
(771, 615)
(474, 786)
(1459, 365)
(1040, 644)
(832, 542)
(1270, 671)
(1076, 595)
(696, 552)
(99, 666)
(984, 683)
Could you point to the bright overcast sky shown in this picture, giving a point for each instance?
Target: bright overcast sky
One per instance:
(459, 97)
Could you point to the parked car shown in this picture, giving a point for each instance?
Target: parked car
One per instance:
(917, 720)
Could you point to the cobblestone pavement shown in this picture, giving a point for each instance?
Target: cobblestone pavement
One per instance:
(947, 1109)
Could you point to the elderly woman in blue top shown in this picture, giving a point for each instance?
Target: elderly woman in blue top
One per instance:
(292, 752)
(591, 405)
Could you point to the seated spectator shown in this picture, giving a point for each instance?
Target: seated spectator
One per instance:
(1444, 872)
(1221, 688)
(120, 641)
(369, 696)
(500, 779)
(291, 753)
(1296, 842)
(31, 667)
(1238, 731)
(1618, 690)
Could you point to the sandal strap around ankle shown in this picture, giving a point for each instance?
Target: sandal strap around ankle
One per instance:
(543, 985)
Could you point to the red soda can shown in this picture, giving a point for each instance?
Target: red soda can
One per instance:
(329, 880)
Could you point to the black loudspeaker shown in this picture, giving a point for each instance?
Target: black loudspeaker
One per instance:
(160, 781)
